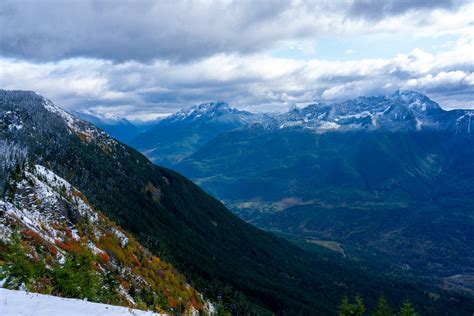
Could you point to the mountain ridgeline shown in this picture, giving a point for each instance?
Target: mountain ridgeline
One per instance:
(121, 129)
(392, 175)
(243, 269)
(181, 134)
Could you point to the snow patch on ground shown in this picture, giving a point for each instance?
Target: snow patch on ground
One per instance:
(18, 303)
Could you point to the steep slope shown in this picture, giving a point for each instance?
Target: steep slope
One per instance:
(53, 241)
(180, 134)
(248, 270)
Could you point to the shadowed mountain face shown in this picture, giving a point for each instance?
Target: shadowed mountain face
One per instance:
(392, 174)
(121, 129)
(182, 133)
(249, 271)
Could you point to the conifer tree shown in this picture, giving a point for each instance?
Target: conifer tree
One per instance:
(382, 308)
(346, 308)
(407, 309)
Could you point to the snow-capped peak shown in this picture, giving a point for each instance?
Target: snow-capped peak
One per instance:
(403, 110)
(211, 111)
(415, 100)
(202, 109)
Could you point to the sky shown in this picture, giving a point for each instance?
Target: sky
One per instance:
(146, 59)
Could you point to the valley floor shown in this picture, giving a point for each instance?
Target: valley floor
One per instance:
(18, 303)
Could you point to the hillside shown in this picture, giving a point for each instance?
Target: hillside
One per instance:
(53, 241)
(245, 269)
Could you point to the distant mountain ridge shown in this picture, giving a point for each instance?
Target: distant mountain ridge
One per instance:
(402, 111)
(119, 128)
(388, 165)
(180, 134)
(217, 111)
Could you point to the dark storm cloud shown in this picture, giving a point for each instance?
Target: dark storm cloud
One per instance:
(377, 9)
(142, 30)
(179, 31)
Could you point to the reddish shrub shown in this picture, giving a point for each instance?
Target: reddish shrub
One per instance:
(32, 236)
(125, 284)
(69, 246)
(53, 250)
(172, 302)
(103, 257)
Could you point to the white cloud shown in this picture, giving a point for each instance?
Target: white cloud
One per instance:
(257, 81)
(152, 58)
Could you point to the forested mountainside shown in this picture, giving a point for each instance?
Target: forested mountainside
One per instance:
(389, 191)
(390, 174)
(242, 268)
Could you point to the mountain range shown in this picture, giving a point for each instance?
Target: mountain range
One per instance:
(392, 175)
(80, 209)
(402, 111)
(182, 133)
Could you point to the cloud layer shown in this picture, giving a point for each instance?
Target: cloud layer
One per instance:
(257, 82)
(177, 30)
(152, 57)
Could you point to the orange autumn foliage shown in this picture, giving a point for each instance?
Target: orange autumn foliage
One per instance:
(125, 284)
(172, 302)
(33, 236)
(69, 246)
(103, 257)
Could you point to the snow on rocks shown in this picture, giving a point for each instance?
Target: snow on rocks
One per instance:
(70, 120)
(121, 236)
(44, 202)
(85, 130)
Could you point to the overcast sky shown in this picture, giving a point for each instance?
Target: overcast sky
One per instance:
(143, 59)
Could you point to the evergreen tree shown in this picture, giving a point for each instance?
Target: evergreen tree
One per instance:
(77, 278)
(19, 269)
(382, 308)
(348, 309)
(407, 309)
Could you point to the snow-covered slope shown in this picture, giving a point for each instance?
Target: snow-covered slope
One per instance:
(46, 220)
(21, 303)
